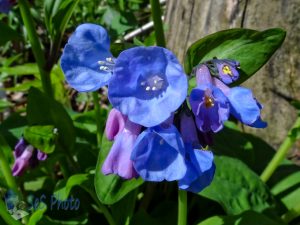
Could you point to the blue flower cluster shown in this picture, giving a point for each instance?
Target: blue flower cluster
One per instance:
(212, 101)
(147, 88)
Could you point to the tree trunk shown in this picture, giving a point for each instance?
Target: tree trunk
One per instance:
(190, 20)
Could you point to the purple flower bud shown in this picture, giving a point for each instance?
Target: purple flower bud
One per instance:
(115, 124)
(118, 160)
(41, 156)
(19, 148)
(203, 75)
(22, 162)
(227, 70)
(188, 129)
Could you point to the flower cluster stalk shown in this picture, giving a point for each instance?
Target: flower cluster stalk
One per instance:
(36, 46)
(158, 25)
(280, 154)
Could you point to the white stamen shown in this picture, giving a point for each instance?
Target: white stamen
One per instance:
(147, 88)
(153, 88)
(143, 83)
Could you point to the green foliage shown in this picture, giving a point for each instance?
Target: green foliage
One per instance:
(43, 110)
(41, 137)
(110, 189)
(250, 47)
(245, 218)
(237, 188)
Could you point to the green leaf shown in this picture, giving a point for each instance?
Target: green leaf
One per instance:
(250, 47)
(236, 188)
(248, 148)
(41, 137)
(25, 86)
(65, 188)
(42, 110)
(37, 215)
(288, 183)
(25, 69)
(246, 218)
(4, 104)
(110, 189)
(8, 34)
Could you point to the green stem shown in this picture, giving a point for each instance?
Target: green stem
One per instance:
(182, 207)
(292, 214)
(102, 208)
(36, 46)
(97, 116)
(280, 154)
(158, 25)
(6, 216)
(5, 168)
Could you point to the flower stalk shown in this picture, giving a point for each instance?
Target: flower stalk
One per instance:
(281, 153)
(97, 116)
(182, 207)
(158, 25)
(36, 46)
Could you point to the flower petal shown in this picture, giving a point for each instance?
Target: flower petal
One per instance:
(158, 154)
(245, 107)
(201, 169)
(115, 124)
(86, 46)
(148, 85)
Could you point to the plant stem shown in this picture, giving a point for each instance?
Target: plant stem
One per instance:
(6, 216)
(97, 116)
(36, 46)
(102, 208)
(280, 154)
(182, 207)
(5, 168)
(158, 25)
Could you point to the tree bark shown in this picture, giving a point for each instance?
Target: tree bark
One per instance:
(278, 80)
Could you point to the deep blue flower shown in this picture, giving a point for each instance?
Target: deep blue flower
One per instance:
(158, 154)
(5, 5)
(26, 156)
(148, 85)
(200, 164)
(118, 160)
(210, 107)
(86, 59)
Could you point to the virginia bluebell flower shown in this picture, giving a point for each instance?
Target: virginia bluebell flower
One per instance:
(86, 60)
(115, 124)
(208, 103)
(212, 100)
(158, 154)
(5, 5)
(26, 156)
(148, 85)
(200, 164)
(118, 160)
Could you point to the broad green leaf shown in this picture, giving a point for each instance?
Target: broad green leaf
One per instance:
(65, 188)
(58, 86)
(41, 137)
(248, 148)
(42, 110)
(287, 187)
(12, 128)
(250, 47)
(110, 189)
(236, 188)
(8, 34)
(246, 218)
(37, 215)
